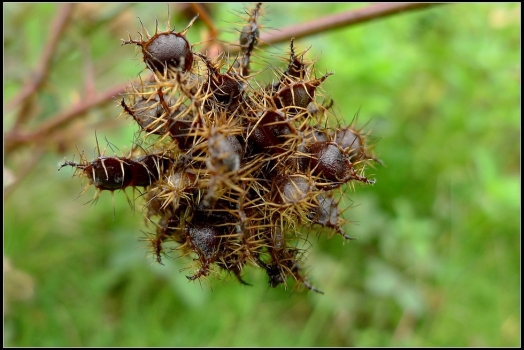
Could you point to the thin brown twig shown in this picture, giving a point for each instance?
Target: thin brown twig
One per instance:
(42, 71)
(212, 46)
(338, 20)
(206, 18)
(14, 139)
(89, 72)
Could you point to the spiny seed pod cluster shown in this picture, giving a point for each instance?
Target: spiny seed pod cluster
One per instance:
(234, 172)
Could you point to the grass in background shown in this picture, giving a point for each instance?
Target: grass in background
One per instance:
(437, 260)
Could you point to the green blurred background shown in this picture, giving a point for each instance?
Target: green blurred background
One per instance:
(437, 260)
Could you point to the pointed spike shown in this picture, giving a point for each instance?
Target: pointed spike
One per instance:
(97, 144)
(122, 168)
(168, 28)
(144, 29)
(105, 169)
(189, 25)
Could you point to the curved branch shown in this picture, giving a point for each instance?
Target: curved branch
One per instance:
(14, 139)
(338, 20)
(42, 71)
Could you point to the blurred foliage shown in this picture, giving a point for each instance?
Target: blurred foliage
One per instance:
(437, 260)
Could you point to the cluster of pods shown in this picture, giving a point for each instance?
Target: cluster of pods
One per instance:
(233, 172)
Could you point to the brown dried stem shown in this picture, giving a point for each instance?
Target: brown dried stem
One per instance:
(338, 20)
(42, 71)
(14, 139)
(206, 18)
(212, 47)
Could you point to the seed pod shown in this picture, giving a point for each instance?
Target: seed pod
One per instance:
(180, 128)
(111, 173)
(297, 95)
(207, 236)
(148, 115)
(225, 153)
(291, 189)
(326, 213)
(351, 142)
(330, 163)
(354, 145)
(147, 169)
(166, 51)
(106, 173)
(270, 130)
(204, 237)
(224, 89)
(169, 51)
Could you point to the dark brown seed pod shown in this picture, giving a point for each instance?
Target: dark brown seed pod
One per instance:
(297, 95)
(329, 162)
(351, 142)
(181, 128)
(327, 214)
(354, 145)
(224, 89)
(148, 169)
(207, 236)
(106, 173)
(204, 237)
(270, 130)
(148, 115)
(165, 51)
(116, 173)
(111, 173)
(291, 189)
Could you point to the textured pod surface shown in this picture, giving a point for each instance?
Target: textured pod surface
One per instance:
(329, 162)
(168, 50)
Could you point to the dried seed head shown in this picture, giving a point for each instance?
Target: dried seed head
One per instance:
(232, 169)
